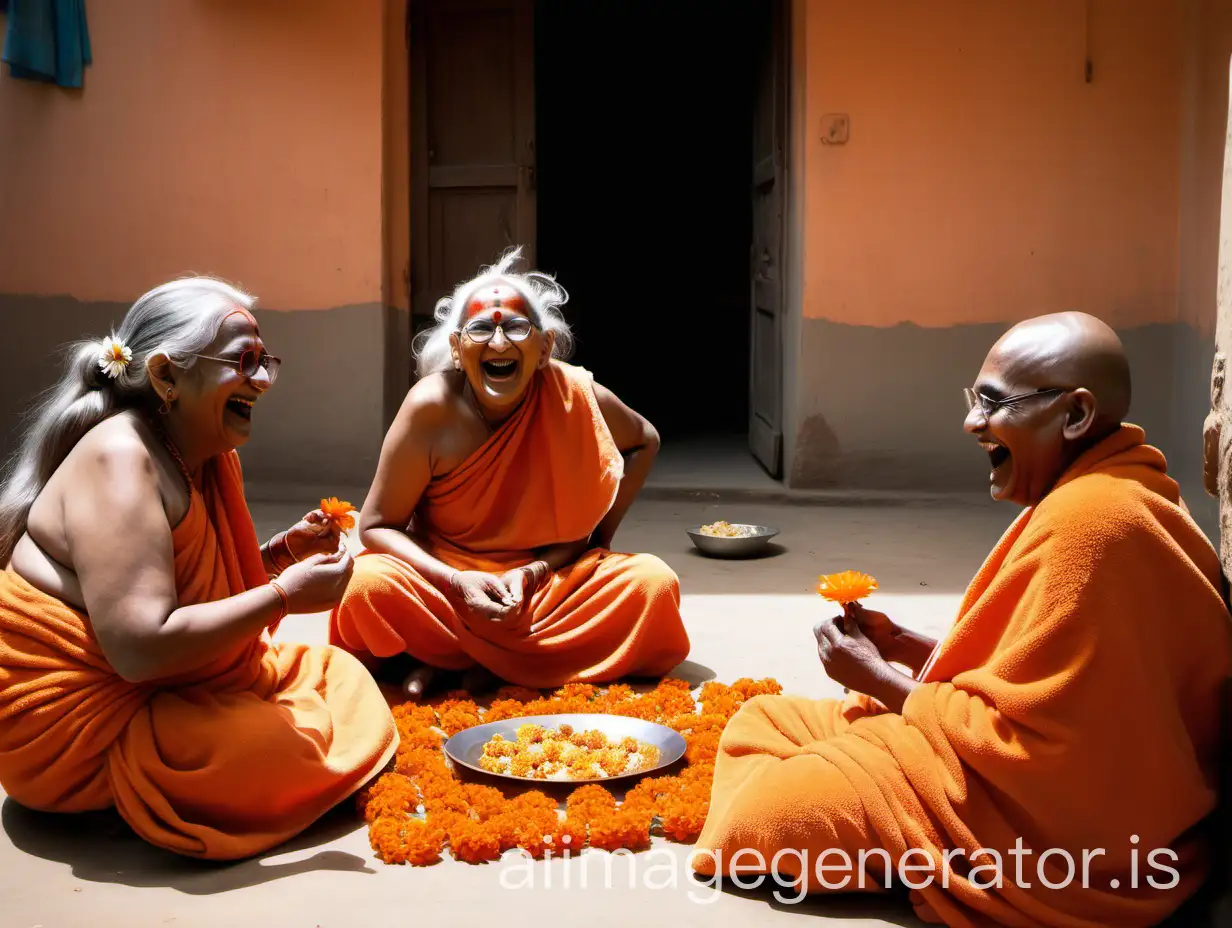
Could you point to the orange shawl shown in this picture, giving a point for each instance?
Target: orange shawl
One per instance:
(222, 761)
(1074, 705)
(547, 476)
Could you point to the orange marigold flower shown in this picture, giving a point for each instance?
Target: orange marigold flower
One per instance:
(507, 829)
(485, 801)
(615, 830)
(748, 688)
(517, 693)
(682, 818)
(502, 709)
(413, 715)
(458, 719)
(399, 840)
(588, 803)
(618, 692)
(428, 738)
(391, 795)
(585, 691)
(532, 802)
(848, 587)
(339, 512)
(474, 842)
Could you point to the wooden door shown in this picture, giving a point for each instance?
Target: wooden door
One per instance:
(472, 141)
(769, 182)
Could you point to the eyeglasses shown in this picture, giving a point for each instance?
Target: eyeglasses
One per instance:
(249, 363)
(516, 329)
(989, 406)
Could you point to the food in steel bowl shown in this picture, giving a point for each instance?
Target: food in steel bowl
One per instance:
(723, 529)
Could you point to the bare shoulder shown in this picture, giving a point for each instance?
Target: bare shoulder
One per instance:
(629, 429)
(434, 400)
(120, 445)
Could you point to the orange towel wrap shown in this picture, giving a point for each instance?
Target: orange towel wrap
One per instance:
(223, 762)
(1074, 706)
(549, 475)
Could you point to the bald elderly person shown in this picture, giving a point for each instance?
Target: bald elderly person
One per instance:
(1052, 761)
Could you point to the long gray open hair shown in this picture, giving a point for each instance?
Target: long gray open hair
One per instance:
(178, 319)
(542, 292)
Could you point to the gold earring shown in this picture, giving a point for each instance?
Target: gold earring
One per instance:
(166, 406)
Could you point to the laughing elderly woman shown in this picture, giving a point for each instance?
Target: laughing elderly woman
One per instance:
(499, 489)
(136, 606)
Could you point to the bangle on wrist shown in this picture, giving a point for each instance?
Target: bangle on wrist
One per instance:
(285, 602)
(286, 546)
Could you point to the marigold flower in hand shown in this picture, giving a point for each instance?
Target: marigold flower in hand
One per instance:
(848, 587)
(339, 512)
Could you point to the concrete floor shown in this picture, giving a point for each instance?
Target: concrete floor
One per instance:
(748, 618)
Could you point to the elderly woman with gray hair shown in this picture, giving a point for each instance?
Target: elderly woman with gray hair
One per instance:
(137, 668)
(499, 490)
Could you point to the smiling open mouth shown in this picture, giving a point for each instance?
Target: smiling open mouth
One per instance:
(500, 368)
(241, 407)
(998, 456)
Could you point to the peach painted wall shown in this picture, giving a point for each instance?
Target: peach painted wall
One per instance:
(1208, 43)
(235, 137)
(984, 179)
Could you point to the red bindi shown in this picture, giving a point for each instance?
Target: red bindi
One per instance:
(496, 317)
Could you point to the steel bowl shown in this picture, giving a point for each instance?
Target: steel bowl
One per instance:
(466, 747)
(748, 546)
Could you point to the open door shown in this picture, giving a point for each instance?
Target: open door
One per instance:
(472, 141)
(769, 181)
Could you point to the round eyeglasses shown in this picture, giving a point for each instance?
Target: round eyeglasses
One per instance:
(516, 329)
(249, 363)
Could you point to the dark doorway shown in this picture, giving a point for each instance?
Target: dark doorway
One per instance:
(644, 165)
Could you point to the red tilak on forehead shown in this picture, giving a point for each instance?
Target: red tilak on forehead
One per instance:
(497, 298)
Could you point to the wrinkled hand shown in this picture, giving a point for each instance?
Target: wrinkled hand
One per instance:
(876, 626)
(483, 595)
(849, 657)
(313, 534)
(523, 581)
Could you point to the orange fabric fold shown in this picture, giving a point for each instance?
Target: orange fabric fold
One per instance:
(548, 475)
(221, 762)
(1074, 707)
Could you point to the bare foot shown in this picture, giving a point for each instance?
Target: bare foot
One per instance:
(418, 681)
(480, 680)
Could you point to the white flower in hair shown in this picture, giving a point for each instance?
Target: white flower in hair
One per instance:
(114, 357)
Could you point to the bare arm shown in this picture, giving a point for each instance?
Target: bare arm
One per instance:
(121, 548)
(402, 474)
(638, 441)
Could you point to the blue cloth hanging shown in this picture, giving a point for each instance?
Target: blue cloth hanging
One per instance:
(47, 40)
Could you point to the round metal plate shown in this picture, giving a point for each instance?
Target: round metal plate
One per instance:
(734, 547)
(466, 747)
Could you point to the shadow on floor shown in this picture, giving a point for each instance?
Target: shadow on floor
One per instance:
(846, 908)
(101, 848)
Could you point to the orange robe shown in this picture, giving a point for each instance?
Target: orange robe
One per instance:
(1075, 706)
(548, 475)
(221, 762)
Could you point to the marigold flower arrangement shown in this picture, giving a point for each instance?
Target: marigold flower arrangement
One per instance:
(846, 588)
(417, 807)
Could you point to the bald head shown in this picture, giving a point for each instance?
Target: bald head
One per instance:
(1073, 350)
(1051, 388)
